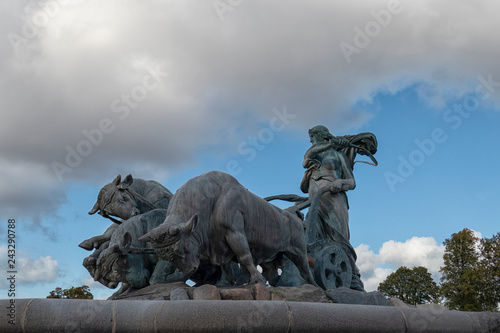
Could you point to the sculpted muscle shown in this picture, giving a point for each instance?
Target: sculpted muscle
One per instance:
(213, 216)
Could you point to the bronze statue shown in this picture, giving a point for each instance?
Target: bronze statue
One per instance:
(328, 168)
(213, 217)
(125, 199)
(329, 174)
(213, 221)
(132, 262)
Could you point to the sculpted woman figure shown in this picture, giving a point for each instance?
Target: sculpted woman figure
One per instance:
(329, 171)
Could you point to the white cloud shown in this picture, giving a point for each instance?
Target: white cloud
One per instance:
(43, 269)
(379, 274)
(416, 251)
(31, 271)
(367, 260)
(368, 263)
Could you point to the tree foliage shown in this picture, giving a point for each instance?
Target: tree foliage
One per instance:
(470, 280)
(82, 292)
(412, 286)
(489, 266)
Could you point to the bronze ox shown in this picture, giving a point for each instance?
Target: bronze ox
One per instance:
(215, 218)
(129, 197)
(132, 262)
(124, 199)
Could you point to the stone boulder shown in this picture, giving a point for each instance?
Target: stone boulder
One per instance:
(179, 294)
(152, 292)
(260, 292)
(304, 293)
(349, 296)
(206, 292)
(236, 294)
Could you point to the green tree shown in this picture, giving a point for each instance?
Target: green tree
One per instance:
(412, 286)
(56, 293)
(82, 292)
(461, 281)
(489, 266)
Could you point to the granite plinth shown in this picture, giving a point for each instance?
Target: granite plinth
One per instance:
(61, 315)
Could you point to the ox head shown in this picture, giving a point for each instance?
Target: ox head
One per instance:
(111, 267)
(114, 266)
(177, 242)
(90, 264)
(114, 199)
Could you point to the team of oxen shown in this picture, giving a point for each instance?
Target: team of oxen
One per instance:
(213, 230)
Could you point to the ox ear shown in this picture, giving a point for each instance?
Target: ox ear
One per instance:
(127, 239)
(190, 225)
(125, 243)
(128, 180)
(117, 180)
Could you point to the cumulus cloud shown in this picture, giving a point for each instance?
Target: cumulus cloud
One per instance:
(367, 260)
(368, 263)
(372, 281)
(79, 78)
(416, 251)
(31, 271)
(43, 269)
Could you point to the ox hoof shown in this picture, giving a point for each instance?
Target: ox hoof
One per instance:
(87, 245)
(257, 279)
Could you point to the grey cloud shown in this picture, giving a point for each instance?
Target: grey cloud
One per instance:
(224, 77)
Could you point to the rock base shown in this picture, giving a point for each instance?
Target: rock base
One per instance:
(258, 292)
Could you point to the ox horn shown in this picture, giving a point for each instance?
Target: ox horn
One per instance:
(95, 208)
(173, 230)
(145, 238)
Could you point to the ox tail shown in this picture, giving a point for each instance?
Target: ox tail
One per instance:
(286, 197)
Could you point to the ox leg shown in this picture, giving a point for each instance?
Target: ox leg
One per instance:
(124, 287)
(270, 270)
(163, 273)
(243, 276)
(226, 276)
(303, 266)
(239, 244)
(93, 242)
(97, 241)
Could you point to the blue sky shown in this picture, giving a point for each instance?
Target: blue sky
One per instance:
(208, 82)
